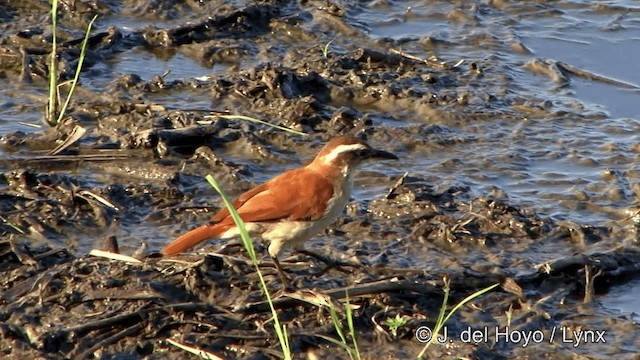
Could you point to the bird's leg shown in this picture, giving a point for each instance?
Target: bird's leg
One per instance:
(331, 263)
(283, 276)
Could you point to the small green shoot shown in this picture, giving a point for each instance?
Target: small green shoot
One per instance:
(325, 49)
(280, 329)
(352, 350)
(509, 315)
(442, 319)
(395, 324)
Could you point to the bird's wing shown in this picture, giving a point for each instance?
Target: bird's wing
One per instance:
(297, 195)
(237, 204)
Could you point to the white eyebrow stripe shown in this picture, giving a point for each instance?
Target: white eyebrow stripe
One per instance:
(340, 149)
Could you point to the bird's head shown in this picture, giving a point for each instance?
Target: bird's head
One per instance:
(346, 152)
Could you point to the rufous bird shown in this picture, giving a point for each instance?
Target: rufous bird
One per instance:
(293, 206)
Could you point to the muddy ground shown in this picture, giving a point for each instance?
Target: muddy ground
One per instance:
(136, 177)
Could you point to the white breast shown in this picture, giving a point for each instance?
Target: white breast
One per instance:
(291, 234)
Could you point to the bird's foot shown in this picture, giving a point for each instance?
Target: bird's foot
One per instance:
(284, 279)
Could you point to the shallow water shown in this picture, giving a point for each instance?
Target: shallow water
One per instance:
(558, 164)
(540, 160)
(555, 142)
(543, 160)
(624, 299)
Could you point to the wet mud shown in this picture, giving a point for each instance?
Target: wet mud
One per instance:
(124, 172)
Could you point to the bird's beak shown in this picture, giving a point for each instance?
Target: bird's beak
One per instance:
(377, 154)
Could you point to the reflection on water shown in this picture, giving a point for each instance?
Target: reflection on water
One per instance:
(562, 157)
(21, 109)
(624, 299)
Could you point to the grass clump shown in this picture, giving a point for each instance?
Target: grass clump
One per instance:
(443, 317)
(55, 111)
(325, 49)
(348, 343)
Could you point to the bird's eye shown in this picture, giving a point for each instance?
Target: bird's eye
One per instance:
(362, 153)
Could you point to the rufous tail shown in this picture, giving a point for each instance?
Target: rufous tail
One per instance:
(193, 238)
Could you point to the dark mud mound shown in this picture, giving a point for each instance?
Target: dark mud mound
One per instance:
(57, 305)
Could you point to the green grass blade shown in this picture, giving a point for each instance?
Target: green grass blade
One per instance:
(352, 329)
(469, 298)
(258, 121)
(83, 50)
(52, 112)
(244, 235)
(443, 307)
(285, 338)
(337, 325)
(248, 244)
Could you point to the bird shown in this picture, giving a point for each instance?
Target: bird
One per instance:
(293, 206)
